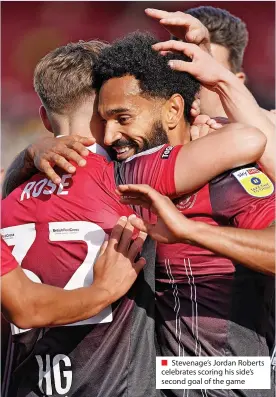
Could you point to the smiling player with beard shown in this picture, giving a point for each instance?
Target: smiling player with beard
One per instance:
(114, 357)
(137, 92)
(136, 141)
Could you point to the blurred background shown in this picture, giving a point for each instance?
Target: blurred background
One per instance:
(31, 29)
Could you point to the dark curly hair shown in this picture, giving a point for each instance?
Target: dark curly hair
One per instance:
(133, 55)
(226, 30)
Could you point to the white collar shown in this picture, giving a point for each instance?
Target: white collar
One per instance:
(98, 149)
(95, 148)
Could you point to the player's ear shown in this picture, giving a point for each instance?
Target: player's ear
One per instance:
(241, 76)
(174, 109)
(44, 117)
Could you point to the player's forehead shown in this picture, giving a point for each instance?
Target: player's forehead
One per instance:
(120, 93)
(120, 86)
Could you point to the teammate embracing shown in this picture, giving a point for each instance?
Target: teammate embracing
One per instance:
(139, 113)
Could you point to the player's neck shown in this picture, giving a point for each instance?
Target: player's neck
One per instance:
(181, 135)
(66, 126)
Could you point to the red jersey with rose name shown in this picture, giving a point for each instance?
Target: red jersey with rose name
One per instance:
(56, 233)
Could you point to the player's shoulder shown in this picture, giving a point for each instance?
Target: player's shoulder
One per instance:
(100, 156)
(95, 159)
(40, 187)
(95, 165)
(249, 177)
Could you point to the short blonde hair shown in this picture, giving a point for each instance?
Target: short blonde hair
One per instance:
(63, 78)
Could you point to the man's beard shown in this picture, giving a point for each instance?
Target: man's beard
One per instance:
(156, 137)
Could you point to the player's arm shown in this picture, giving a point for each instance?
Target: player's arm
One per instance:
(252, 248)
(28, 304)
(42, 156)
(270, 114)
(239, 104)
(18, 172)
(178, 170)
(201, 160)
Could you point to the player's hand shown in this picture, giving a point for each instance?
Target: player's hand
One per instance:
(49, 152)
(195, 108)
(116, 269)
(202, 66)
(183, 26)
(204, 125)
(171, 226)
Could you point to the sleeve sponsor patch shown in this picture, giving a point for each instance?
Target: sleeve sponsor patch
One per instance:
(254, 182)
(167, 151)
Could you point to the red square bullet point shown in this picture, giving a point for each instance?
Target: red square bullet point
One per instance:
(164, 362)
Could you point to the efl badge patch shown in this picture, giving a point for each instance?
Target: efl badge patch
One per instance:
(254, 182)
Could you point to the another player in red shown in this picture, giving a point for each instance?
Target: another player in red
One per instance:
(63, 227)
(82, 204)
(56, 233)
(204, 294)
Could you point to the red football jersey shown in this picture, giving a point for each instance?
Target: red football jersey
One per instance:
(242, 198)
(56, 233)
(48, 225)
(8, 262)
(205, 304)
(222, 202)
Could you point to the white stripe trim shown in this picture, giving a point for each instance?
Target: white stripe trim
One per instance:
(196, 311)
(198, 344)
(145, 153)
(193, 308)
(176, 309)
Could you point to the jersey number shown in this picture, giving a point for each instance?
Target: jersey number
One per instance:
(23, 236)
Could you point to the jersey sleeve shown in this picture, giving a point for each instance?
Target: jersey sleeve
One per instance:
(245, 197)
(154, 167)
(8, 262)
